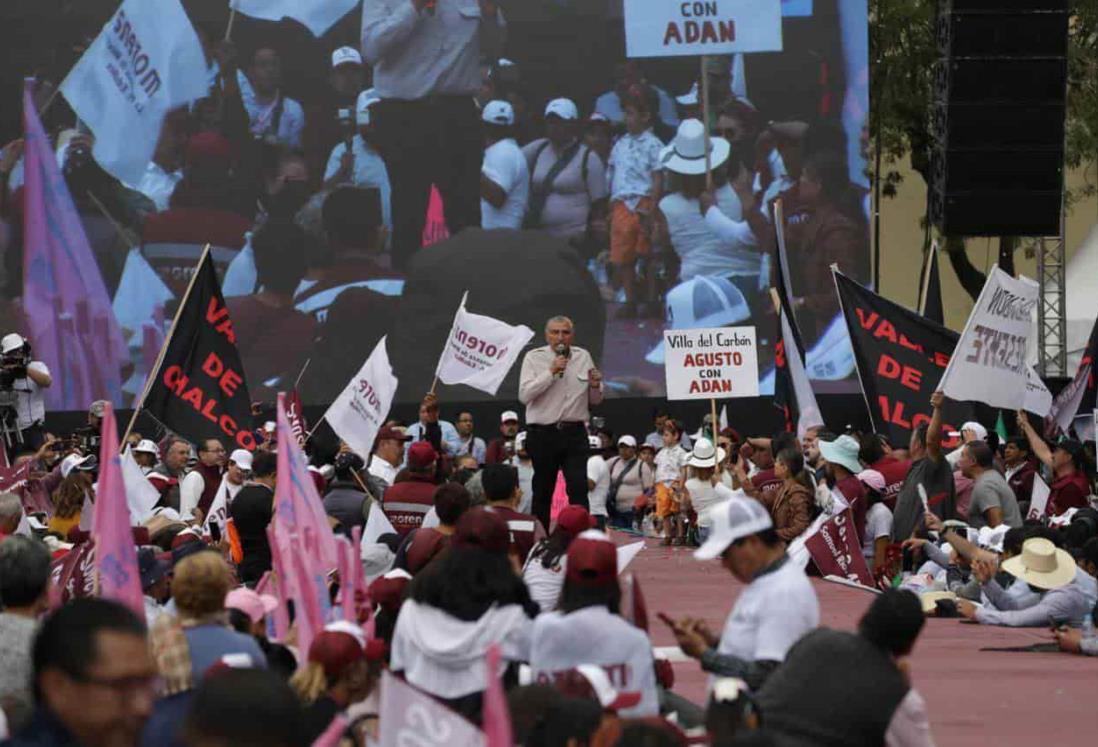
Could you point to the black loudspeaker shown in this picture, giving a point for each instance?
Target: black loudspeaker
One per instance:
(997, 118)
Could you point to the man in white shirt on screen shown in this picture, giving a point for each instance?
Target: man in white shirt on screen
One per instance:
(504, 177)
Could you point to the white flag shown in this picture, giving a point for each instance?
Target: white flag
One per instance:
(480, 351)
(141, 495)
(1038, 397)
(316, 15)
(407, 717)
(358, 413)
(145, 62)
(377, 525)
(139, 292)
(989, 363)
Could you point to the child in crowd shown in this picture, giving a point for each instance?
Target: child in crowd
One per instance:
(634, 163)
(670, 461)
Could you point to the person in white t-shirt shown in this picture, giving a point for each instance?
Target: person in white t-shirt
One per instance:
(587, 629)
(878, 519)
(546, 563)
(598, 482)
(504, 176)
(777, 607)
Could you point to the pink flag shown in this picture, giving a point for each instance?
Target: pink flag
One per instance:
(60, 272)
(281, 616)
(115, 554)
(434, 227)
(560, 497)
(358, 581)
(334, 733)
(346, 579)
(308, 588)
(496, 716)
(409, 717)
(836, 550)
(297, 505)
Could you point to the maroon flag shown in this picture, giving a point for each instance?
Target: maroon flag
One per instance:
(837, 550)
(295, 416)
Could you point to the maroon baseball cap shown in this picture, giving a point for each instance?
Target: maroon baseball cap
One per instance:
(421, 454)
(592, 560)
(575, 519)
(392, 434)
(483, 528)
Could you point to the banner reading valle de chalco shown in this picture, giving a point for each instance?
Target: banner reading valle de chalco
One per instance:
(900, 357)
(199, 390)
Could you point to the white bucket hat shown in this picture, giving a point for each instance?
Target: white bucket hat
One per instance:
(701, 302)
(686, 153)
(1042, 564)
(842, 451)
(704, 455)
(734, 519)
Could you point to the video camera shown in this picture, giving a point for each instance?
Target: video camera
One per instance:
(13, 365)
(87, 439)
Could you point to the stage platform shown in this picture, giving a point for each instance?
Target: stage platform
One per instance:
(974, 697)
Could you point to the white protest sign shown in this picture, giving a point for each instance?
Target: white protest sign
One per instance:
(672, 28)
(316, 15)
(718, 363)
(1038, 397)
(626, 553)
(989, 363)
(146, 61)
(141, 495)
(480, 351)
(409, 718)
(1038, 501)
(358, 413)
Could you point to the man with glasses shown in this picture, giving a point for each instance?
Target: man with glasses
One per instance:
(199, 487)
(93, 676)
(470, 444)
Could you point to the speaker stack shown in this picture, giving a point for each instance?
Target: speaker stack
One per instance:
(997, 117)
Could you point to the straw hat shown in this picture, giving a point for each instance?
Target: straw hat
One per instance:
(704, 455)
(686, 153)
(1042, 565)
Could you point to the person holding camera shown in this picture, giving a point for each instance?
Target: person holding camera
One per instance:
(23, 380)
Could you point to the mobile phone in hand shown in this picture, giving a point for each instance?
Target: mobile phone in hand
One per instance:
(215, 531)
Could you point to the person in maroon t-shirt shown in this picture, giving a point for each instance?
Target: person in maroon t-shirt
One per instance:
(841, 456)
(1070, 487)
(893, 470)
(765, 480)
(501, 488)
(498, 448)
(424, 544)
(408, 500)
(1020, 470)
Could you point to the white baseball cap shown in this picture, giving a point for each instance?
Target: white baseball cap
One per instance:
(699, 302)
(146, 446)
(366, 99)
(627, 440)
(691, 97)
(498, 113)
(509, 416)
(563, 108)
(242, 458)
(732, 520)
(10, 342)
(346, 55)
(77, 462)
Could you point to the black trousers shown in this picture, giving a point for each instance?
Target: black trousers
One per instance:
(552, 449)
(436, 140)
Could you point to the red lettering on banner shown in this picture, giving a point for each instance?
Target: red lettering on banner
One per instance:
(941, 360)
(218, 316)
(909, 377)
(728, 30)
(227, 379)
(213, 366)
(891, 414)
(193, 397)
(709, 33)
(866, 320)
(672, 34)
(175, 379)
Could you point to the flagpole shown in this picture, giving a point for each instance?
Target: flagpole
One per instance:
(857, 367)
(302, 372)
(705, 122)
(121, 230)
(434, 384)
(232, 19)
(715, 424)
(167, 341)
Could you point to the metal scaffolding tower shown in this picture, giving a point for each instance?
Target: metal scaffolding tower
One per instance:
(1051, 311)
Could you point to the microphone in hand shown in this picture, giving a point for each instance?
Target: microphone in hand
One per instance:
(562, 351)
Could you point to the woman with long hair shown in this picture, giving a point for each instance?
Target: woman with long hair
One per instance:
(545, 566)
(588, 629)
(466, 600)
(790, 505)
(78, 478)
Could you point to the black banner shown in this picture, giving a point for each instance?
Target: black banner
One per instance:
(901, 357)
(199, 389)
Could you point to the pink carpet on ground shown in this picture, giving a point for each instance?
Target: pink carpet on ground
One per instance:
(974, 697)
